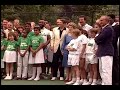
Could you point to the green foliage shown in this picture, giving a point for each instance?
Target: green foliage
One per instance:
(52, 12)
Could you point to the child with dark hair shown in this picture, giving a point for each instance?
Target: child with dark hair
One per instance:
(22, 64)
(36, 53)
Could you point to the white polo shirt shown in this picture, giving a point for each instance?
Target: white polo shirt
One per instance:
(91, 46)
(74, 44)
(87, 27)
(82, 39)
(44, 33)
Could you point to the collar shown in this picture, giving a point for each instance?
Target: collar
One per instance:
(105, 26)
(63, 28)
(114, 24)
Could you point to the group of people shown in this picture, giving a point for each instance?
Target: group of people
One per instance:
(83, 54)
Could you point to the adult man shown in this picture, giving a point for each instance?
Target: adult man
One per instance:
(105, 50)
(4, 24)
(59, 33)
(46, 35)
(83, 24)
(9, 28)
(115, 77)
(16, 24)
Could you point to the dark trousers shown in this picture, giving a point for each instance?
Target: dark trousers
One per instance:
(43, 66)
(115, 71)
(57, 63)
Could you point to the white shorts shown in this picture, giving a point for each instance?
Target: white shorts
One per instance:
(2, 64)
(91, 59)
(10, 56)
(73, 60)
(39, 58)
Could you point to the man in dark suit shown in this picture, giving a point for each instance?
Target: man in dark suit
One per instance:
(105, 50)
(115, 76)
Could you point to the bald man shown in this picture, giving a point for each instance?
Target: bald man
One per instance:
(105, 50)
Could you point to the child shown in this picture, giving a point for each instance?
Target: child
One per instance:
(91, 59)
(22, 64)
(2, 52)
(10, 55)
(83, 41)
(36, 54)
(73, 57)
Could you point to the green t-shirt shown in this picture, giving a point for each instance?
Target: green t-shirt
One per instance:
(30, 34)
(11, 45)
(23, 43)
(35, 41)
(2, 44)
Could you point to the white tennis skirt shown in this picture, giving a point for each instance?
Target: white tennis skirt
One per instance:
(73, 60)
(10, 56)
(39, 58)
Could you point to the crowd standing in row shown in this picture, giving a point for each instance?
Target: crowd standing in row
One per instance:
(87, 54)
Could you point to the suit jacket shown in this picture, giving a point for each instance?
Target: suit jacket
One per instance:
(57, 40)
(116, 35)
(104, 41)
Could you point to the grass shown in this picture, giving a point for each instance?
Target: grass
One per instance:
(26, 82)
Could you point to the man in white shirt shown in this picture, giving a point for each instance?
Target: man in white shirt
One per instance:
(82, 23)
(9, 28)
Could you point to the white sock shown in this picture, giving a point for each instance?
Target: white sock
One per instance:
(81, 80)
(78, 79)
(73, 79)
(90, 79)
(94, 80)
(38, 72)
(7, 74)
(34, 72)
(85, 80)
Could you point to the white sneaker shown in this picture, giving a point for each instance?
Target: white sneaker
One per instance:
(7, 77)
(81, 82)
(10, 77)
(61, 78)
(99, 82)
(37, 79)
(85, 83)
(32, 78)
(71, 82)
(94, 83)
(53, 78)
(77, 83)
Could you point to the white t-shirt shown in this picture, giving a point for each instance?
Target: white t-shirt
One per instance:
(7, 31)
(91, 46)
(44, 33)
(86, 27)
(82, 39)
(74, 44)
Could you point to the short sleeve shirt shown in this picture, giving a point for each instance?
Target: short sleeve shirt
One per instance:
(11, 45)
(30, 34)
(87, 27)
(74, 44)
(45, 32)
(82, 39)
(2, 51)
(91, 46)
(35, 41)
(23, 43)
